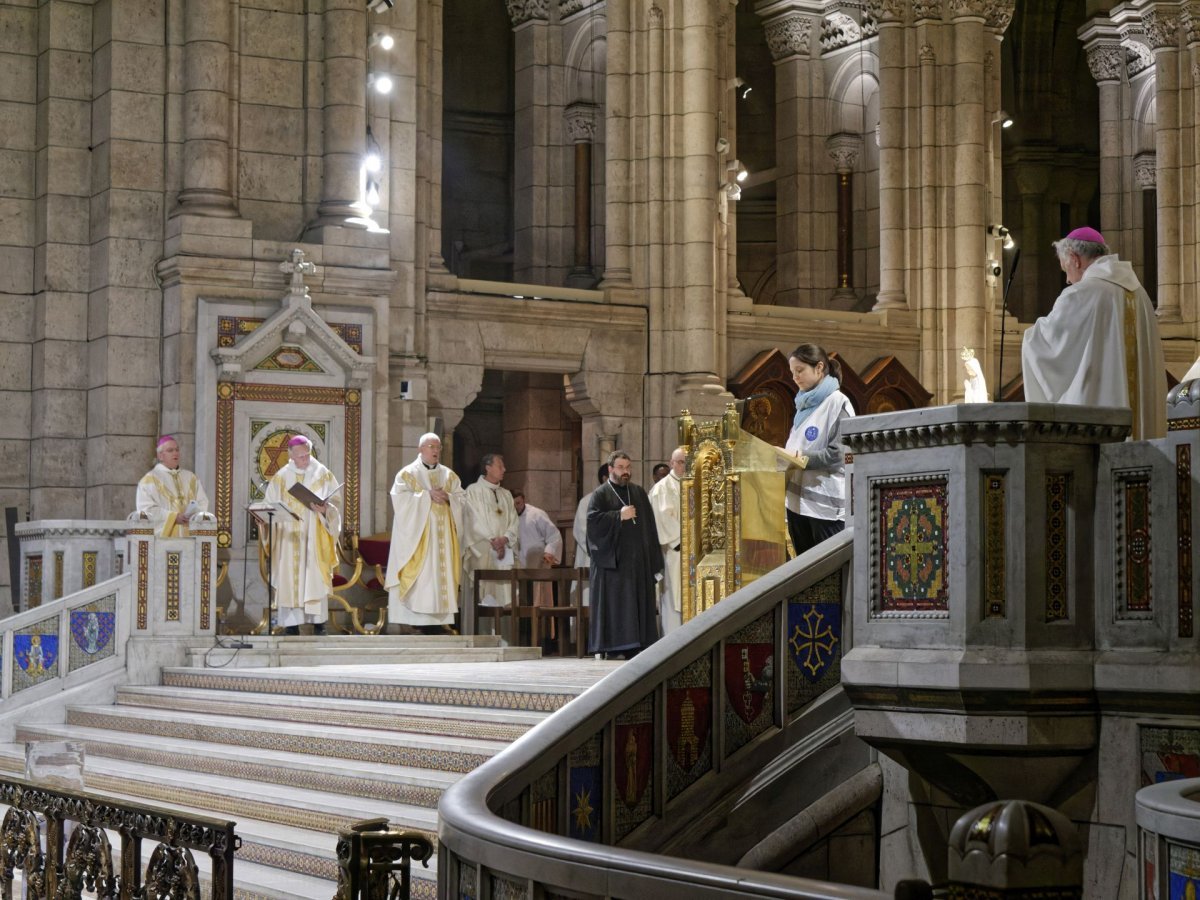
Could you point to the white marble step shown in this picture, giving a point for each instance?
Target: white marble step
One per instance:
(366, 745)
(497, 724)
(363, 656)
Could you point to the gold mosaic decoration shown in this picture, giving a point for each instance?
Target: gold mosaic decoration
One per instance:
(173, 559)
(143, 583)
(205, 585)
(993, 545)
(89, 568)
(58, 573)
(1183, 514)
(33, 580)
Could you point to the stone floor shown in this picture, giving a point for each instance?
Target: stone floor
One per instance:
(293, 753)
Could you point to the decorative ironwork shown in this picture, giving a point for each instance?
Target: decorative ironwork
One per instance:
(33, 581)
(86, 861)
(89, 567)
(1183, 513)
(375, 861)
(143, 583)
(994, 598)
(173, 559)
(1058, 498)
(205, 585)
(58, 572)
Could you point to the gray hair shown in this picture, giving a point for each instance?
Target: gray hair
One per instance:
(618, 454)
(1085, 249)
(489, 458)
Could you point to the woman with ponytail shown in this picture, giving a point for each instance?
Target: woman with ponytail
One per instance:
(816, 490)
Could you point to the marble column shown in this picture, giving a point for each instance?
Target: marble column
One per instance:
(891, 156)
(1106, 59)
(844, 150)
(580, 121)
(789, 32)
(345, 114)
(531, 124)
(1161, 24)
(206, 174)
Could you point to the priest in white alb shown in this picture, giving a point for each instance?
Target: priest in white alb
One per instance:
(167, 495)
(1099, 346)
(666, 503)
(425, 562)
(303, 555)
(490, 533)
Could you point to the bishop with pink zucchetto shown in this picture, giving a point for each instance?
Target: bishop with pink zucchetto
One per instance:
(167, 495)
(1099, 346)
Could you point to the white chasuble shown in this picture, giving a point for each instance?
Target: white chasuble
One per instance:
(424, 563)
(488, 513)
(164, 493)
(665, 501)
(1100, 346)
(302, 550)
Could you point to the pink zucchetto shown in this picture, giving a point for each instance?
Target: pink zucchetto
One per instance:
(298, 440)
(1091, 235)
(165, 439)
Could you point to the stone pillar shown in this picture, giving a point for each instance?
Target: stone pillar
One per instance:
(1162, 23)
(429, 38)
(345, 116)
(580, 120)
(531, 176)
(891, 157)
(206, 111)
(843, 150)
(789, 33)
(617, 262)
(1142, 252)
(1106, 60)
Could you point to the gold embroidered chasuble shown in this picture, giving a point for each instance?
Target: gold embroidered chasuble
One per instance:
(164, 493)
(303, 556)
(424, 563)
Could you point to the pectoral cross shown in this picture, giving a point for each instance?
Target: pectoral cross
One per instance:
(297, 267)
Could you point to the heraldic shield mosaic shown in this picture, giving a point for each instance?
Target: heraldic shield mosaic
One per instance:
(912, 573)
(543, 803)
(1169, 754)
(35, 654)
(1183, 877)
(813, 641)
(92, 629)
(633, 767)
(584, 776)
(689, 726)
(749, 682)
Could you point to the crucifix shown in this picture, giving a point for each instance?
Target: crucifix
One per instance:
(297, 267)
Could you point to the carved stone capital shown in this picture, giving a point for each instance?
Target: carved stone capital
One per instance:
(1104, 61)
(927, 54)
(788, 35)
(1162, 28)
(890, 11)
(843, 150)
(999, 14)
(839, 30)
(522, 11)
(927, 9)
(1145, 170)
(1138, 57)
(581, 122)
(1190, 19)
(570, 7)
(964, 9)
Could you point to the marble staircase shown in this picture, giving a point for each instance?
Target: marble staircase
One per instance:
(293, 753)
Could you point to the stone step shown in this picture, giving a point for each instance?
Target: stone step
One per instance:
(501, 725)
(362, 744)
(542, 685)
(323, 650)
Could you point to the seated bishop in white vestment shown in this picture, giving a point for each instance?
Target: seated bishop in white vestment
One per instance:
(303, 555)
(541, 547)
(1099, 346)
(167, 495)
(665, 500)
(490, 534)
(425, 562)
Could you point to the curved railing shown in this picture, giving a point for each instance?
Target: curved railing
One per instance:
(634, 761)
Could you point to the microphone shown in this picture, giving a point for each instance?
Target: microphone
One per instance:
(1003, 312)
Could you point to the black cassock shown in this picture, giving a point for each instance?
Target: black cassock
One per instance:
(625, 557)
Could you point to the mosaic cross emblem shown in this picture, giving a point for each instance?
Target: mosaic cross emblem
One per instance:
(913, 547)
(813, 647)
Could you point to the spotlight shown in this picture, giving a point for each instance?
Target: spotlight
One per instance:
(372, 193)
(381, 83)
(999, 231)
(380, 5)
(992, 268)
(740, 86)
(735, 168)
(722, 145)
(382, 41)
(1003, 118)
(732, 190)
(373, 160)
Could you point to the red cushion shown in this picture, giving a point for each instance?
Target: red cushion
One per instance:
(374, 551)
(339, 580)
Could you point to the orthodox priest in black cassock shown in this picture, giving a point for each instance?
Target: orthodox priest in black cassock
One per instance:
(625, 558)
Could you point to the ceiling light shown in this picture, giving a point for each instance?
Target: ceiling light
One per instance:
(381, 83)
(380, 5)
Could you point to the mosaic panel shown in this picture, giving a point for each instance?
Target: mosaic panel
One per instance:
(543, 803)
(1168, 754)
(813, 641)
(689, 716)
(1058, 501)
(913, 546)
(507, 889)
(633, 767)
(1149, 863)
(1183, 871)
(59, 560)
(749, 682)
(289, 359)
(173, 560)
(231, 329)
(1183, 514)
(468, 881)
(92, 629)
(35, 654)
(143, 583)
(1135, 589)
(89, 567)
(994, 557)
(205, 585)
(33, 580)
(584, 780)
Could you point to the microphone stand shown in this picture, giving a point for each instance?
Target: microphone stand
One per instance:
(1003, 312)
(270, 567)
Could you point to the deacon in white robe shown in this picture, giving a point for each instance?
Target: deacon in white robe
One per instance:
(303, 556)
(167, 495)
(490, 531)
(665, 501)
(541, 546)
(1099, 346)
(579, 533)
(425, 562)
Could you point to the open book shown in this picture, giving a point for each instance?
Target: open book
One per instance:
(785, 459)
(307, 497)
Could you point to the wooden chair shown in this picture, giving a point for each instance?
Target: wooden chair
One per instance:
(508, 576)
(564, 611)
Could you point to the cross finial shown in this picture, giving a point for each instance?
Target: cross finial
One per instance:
(297, 267)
